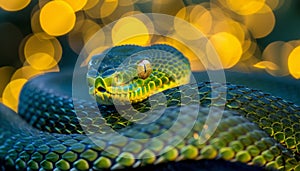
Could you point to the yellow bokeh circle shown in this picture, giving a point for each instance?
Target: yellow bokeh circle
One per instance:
(130, 30)
(228, 48)
(26, 72)
(41, 61)
(13, 5)
(107, 8)
(57, 18)
(90, 4)
(245, 7)
(42, 54)
(294, 63)
(11, 93)
(76, 4)
(261, 23)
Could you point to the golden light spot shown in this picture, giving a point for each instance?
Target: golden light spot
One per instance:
(117, 13)
(198, 16)
(11, 93)
(41, 61)
(13, 5)
(228, 48)
(5, 75)
(35, 44)
(201, 18)
(277, 52)
(186, 31)
(42, 54)
(261, 23)
(26, 72)
(76, 5)
(36, 26)
(57, 18)
(294, 63)
(90, 4)
(125, 2)
(107, 8)
(94, 12)
(232, 27)
(130, 30)
(103, 9)
(170, 7)
(127, 14)
(267, 65)
(245, 7)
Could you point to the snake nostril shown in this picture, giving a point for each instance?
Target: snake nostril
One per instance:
(101, 89)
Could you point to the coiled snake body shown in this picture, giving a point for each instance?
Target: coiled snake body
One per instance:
(256, 128)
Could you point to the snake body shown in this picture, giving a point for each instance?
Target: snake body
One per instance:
(256, 128)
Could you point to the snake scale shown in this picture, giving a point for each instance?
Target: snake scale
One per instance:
(256, 129)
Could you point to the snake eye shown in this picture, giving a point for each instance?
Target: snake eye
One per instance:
(144, 69)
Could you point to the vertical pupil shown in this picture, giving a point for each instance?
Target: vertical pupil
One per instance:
(145, 68)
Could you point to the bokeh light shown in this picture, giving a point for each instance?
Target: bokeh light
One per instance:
(245, 7)
(26, 72)
(294, 63)
(13, 5)
(10, 96)
(261, 23)
(228, 47)
(90, 4)
(276, 53)
(57, 18)
(196, 15)
(268, 65)
(76, 5)
(170, 7)
(108, 7)
(130, 30)
(42, 54)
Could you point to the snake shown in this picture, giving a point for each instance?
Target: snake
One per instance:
(143, 112)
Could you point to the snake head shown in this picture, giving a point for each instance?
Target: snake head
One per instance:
(135, 77)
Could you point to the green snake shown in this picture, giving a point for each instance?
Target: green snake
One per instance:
(256, 129)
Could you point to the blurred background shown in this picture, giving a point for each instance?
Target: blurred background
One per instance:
(39, 36)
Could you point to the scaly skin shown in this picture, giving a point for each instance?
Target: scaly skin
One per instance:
(256, 128)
